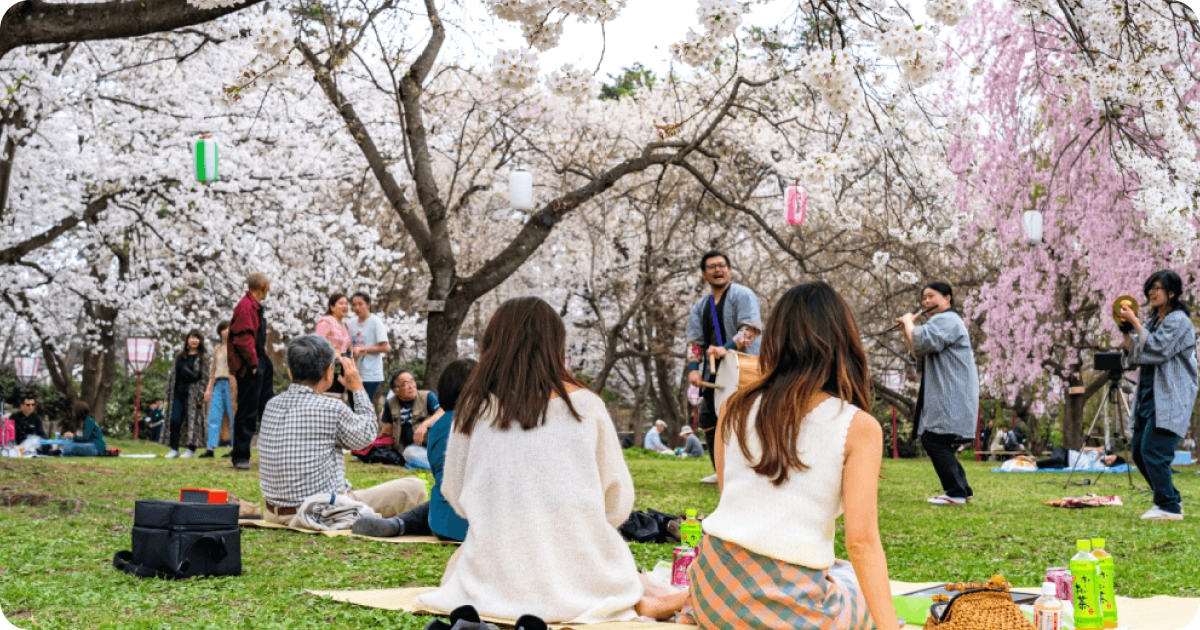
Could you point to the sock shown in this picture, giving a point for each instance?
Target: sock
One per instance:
(379, 527)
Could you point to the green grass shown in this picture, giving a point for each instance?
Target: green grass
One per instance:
(55, 567)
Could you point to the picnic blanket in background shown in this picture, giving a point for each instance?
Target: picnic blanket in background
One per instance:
(1154, 613)
(1183, 458)
(1086, 501)
(1120, 468)
(403, 540)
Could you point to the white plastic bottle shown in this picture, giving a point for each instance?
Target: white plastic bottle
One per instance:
(1048, 609)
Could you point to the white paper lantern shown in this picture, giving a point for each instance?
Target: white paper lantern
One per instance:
(520, 190)
(795, 204)
(140, 352)
(27, 368)
(1032, 222)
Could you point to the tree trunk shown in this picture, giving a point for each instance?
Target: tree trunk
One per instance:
(441, 339)
(1072, 428)
(99, 363)
(666, 402)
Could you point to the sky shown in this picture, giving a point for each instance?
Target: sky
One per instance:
(642, 33)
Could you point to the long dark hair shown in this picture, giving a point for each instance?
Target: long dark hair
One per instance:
(521, 363)
(811, 345)
(79, 413)
(200, 350)
(450, 383)
(1172, 284)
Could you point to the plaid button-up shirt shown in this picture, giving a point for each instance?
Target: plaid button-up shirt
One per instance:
(300, 443)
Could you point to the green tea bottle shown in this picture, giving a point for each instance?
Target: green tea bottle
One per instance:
(428, 479)
(1105, 577)
(690, 530)
(1085, 570)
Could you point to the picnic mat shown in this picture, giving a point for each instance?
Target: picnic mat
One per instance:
(1151, 613)
(1120, 468)
(409, 540)
(1154, 613)
(402, 599)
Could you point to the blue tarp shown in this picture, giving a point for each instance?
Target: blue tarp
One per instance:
(1115, 469)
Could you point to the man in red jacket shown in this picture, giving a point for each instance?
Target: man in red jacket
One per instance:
(247, 352)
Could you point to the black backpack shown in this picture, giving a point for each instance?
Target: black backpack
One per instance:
(173, 540)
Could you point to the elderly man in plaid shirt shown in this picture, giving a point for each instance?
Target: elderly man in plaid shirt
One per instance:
(303, 433)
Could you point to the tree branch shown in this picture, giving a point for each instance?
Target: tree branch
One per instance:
(14, 253)
(29, 23)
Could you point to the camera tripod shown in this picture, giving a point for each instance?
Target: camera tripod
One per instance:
(1115, 410)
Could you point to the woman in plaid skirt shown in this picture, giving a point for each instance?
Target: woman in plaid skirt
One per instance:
(793, 451)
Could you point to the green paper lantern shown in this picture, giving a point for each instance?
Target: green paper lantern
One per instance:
(206, 160)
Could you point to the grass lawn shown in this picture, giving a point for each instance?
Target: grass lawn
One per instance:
(55, 569)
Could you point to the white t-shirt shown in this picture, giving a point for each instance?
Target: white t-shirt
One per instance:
(369, 333)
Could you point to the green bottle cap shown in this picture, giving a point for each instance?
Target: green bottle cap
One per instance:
(1097, 543)
(1083, 545)
(690, 513)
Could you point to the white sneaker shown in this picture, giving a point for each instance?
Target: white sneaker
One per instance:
(945, 500)
(188, 453)
(173, 454)
(710, 479)
(1158, 514)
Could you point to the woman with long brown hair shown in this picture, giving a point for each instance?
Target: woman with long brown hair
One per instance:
(793, 450)
(188, 424)
(534, 464)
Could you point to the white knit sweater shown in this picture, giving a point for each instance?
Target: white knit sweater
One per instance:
(544, 507)
(793, 522)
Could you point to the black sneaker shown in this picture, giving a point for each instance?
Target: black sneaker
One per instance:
(228, 455)
(463, 618)
(207, 453)
(531, 622)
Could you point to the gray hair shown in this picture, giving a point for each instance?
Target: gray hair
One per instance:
(308, 356)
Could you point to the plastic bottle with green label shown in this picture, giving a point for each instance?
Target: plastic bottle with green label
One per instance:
(1106, 574)
(690, 530)
(1085, 571)
(428, 479)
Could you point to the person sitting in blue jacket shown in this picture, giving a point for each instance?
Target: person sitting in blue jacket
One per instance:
(434, 517)
(86, 436)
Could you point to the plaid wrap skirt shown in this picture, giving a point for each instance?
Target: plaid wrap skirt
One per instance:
(735, 588)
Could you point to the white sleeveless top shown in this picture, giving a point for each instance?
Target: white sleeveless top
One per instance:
(793, 522)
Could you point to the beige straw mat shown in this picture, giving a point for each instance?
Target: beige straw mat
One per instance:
(1154, 613)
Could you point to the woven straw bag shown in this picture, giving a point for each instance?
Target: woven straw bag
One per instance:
(978, 609)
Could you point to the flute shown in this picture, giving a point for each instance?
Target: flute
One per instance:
(924, 312)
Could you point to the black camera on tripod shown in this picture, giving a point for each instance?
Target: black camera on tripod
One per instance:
(1109, 362)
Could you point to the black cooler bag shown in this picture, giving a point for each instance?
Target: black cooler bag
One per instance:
(180, 540)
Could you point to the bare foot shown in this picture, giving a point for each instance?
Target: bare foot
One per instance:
(662, 607)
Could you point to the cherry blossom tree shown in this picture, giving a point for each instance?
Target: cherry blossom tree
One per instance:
(1035, 139)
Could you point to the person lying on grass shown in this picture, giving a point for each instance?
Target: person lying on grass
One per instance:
(792, 451)
(1092, 457)
(434, 517)
(534, 464)
(303, 433)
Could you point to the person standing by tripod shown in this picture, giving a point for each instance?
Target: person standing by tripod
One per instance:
(1164, 350)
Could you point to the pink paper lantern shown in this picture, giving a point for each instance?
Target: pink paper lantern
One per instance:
(795, 203)
(140, 352)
